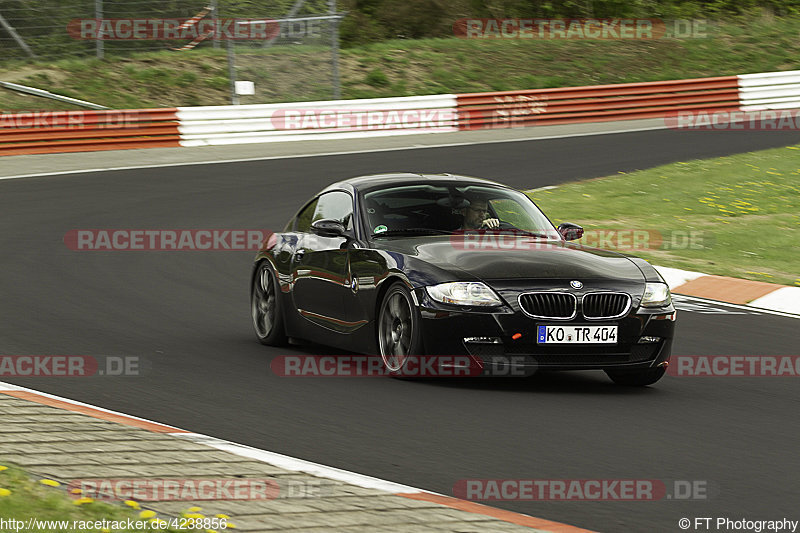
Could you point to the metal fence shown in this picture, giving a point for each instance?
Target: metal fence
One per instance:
(281, 47)
(296, 60)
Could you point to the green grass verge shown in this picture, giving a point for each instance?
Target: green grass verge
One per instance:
(23, 498)
(406, 67)
(745, 207)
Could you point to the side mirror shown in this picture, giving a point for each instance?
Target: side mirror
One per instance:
(570, 231)
(327, 227)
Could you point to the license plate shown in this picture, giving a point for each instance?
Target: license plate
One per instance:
(576, 335)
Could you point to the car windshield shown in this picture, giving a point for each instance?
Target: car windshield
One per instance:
(450, 208)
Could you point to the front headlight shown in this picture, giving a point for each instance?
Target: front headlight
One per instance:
(464, 293)
(656, 295)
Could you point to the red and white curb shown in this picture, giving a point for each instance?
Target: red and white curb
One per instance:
(287, 462)
(750, 294)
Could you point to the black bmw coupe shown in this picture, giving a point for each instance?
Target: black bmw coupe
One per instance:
(402, 264)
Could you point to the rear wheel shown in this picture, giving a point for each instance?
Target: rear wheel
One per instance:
(637, 378)
(398, 329)
(265, 307)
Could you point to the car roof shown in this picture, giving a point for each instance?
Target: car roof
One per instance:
(400, 178)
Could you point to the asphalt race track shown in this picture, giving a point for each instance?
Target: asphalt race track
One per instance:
(187, 315)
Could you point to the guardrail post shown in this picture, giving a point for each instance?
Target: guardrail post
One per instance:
(10, 29)
(215, 18)
(337, 90)
(98, 41)
(232, 71)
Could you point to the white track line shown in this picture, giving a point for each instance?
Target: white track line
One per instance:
(325, 154)
(750, 308)
(282, 461)
(11, 387)
(299, 465)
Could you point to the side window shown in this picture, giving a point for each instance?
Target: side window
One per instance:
(336, 205)
(304, 217)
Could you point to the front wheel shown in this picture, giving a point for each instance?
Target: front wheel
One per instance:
(398, 329)
(265, 307)
(637, 378)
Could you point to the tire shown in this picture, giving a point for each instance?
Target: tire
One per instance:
(265, 307)
(638, 378)
(398, 329)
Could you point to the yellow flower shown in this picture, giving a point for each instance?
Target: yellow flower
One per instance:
(76, 491)
(3, 468)
(4, 492)
(147, 514)
(81, 501)
(194, 509)
(220, 515)
(192, 515)
(49, 482)
(230, 526)
(132, 504)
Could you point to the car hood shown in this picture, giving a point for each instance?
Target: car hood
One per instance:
(510, 257)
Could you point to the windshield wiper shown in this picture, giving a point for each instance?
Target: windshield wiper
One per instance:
(412, 231)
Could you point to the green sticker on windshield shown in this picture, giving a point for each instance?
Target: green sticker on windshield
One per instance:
(380, 229)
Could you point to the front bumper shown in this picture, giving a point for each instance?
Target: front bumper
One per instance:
(505, 341)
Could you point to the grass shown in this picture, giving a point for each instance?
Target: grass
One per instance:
(746, 207)
(405, 67)
(23, 498)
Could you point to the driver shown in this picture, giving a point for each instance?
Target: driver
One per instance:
(475, 216)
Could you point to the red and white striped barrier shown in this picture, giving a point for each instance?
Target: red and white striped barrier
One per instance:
(72, 131)
(315, 120)
(597, 103)
(49, 132)
(769, 90)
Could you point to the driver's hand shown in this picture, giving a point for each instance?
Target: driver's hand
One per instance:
(491, 223)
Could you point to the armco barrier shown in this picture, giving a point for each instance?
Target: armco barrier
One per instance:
(77, 131)
(769, 90)
(316, 120)
(596, 103)
(85, 131)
